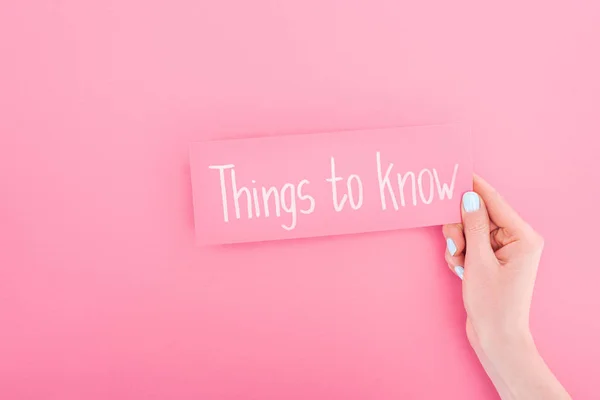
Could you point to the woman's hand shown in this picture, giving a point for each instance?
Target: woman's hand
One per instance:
(496, 254)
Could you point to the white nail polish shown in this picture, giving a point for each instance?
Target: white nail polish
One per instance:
(451, 246)
(471, 202)
(460, 271)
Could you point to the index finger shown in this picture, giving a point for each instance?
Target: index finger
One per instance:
(501, 213)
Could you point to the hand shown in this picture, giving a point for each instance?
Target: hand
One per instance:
(496, 254)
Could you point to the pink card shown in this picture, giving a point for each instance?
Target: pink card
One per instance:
(323, 184)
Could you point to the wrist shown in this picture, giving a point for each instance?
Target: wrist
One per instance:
(516, 368)
(506, 345)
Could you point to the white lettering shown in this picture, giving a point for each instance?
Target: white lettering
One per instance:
(402, 182)
(353, 204)
(291, 208)
(385, 183)
(267, 193)
(431, 192)
(334, 179)
(308, 197)
(222, 169)
(255, 198)
(444, 189)
(237, 193)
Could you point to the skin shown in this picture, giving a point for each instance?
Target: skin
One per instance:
(500, 254)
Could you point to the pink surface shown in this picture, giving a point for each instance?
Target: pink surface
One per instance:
(102, 291)
(295, 186)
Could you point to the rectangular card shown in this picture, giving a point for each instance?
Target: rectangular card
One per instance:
(295, 186)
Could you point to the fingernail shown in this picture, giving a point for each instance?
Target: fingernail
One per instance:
(460, 271)
(471, 201)
(451, 246)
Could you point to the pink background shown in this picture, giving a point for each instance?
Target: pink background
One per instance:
(102, 292)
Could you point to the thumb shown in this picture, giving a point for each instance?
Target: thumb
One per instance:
(476, 225)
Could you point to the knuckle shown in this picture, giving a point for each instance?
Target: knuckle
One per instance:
(450, 229)
(445, 229)
(477, 227)
(539, 241)
(448, 259)
(535, 240)
(534, 237)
